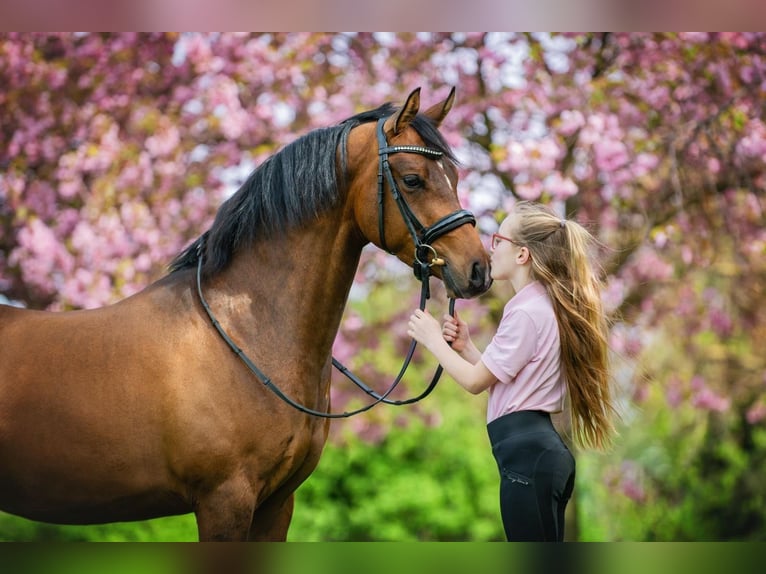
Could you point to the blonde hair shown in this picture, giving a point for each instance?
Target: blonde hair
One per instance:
(560, 260)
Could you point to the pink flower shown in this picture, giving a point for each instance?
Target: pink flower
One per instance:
(706, 399)
(644, 164)
(697, 383)
(530, 191)
(753, 144)
(559, 187)
(40, 255)
(197, 49)
(87, 289)
(543, 154)
(673, 393)
(721, 322)
(614, 293)
(571, 121)
(517, 159)
(694, 37)
(626, 340)
(631, 481)
(83, 236)
(164, 141)
(649, 266)
(687, 255)
(610, 154)
(41, 199)
(756, 413)
(71, 188)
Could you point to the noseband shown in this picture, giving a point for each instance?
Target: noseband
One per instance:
(425, 258)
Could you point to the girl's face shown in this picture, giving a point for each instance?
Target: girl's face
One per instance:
(505, 253)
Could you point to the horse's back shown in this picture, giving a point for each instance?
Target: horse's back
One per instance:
(52, 350)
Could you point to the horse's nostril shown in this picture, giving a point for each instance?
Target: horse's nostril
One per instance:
(479, 276)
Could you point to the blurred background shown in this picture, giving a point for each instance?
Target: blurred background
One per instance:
(117, 149)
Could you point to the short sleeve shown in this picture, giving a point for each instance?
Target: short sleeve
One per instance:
(512, 347)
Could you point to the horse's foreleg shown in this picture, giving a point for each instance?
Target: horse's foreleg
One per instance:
(272, 519)
(225, 513)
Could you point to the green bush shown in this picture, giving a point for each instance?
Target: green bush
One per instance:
(678, 472)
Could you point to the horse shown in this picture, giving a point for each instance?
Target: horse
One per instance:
(144, 408)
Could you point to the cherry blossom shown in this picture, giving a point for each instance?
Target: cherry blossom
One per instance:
(118, 149)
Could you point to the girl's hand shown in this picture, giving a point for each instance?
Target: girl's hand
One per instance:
(455, 332)
(424, 328)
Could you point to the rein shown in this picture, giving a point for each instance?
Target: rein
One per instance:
(425, 258)
(337, 364)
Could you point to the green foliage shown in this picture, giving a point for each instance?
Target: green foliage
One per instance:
(687, 492)
(678, 473)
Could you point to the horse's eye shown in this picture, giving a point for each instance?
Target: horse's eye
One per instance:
(412, 181)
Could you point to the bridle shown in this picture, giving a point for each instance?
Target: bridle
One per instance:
(422, 236)
(425, 258)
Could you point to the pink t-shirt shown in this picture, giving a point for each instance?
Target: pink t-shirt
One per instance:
(525, 356)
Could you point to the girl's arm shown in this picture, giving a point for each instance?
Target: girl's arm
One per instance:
(473, 377)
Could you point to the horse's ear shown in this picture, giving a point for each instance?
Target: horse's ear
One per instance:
(402, 118)
(439, 111)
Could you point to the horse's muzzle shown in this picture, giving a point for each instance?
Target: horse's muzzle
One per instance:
(478, 281)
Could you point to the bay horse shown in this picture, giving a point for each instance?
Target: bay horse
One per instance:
(141, 409)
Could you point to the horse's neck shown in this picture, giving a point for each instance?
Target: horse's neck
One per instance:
(290, 291)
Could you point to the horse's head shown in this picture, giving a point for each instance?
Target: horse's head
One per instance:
(404, 196)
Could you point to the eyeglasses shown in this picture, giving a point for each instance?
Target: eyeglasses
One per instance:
(497, 238)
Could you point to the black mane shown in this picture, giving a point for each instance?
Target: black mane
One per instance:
(292, 186)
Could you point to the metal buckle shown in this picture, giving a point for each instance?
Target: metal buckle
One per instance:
(435, 260)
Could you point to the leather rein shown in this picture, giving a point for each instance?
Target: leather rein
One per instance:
(425, 258)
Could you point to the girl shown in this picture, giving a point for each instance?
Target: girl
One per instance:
(551, 341)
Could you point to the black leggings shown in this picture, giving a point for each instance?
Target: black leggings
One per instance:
(537, 475)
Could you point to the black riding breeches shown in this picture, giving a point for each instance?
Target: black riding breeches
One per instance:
(537, 475)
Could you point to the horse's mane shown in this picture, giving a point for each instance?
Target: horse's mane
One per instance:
(290, 187)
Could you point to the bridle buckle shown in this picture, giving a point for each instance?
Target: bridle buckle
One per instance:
(434, 260)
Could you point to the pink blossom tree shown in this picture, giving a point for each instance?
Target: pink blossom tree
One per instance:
(118, 148)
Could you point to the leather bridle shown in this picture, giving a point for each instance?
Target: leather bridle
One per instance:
(422, 236)
(425, 258)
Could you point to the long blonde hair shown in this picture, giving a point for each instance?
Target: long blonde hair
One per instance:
(560, 260)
